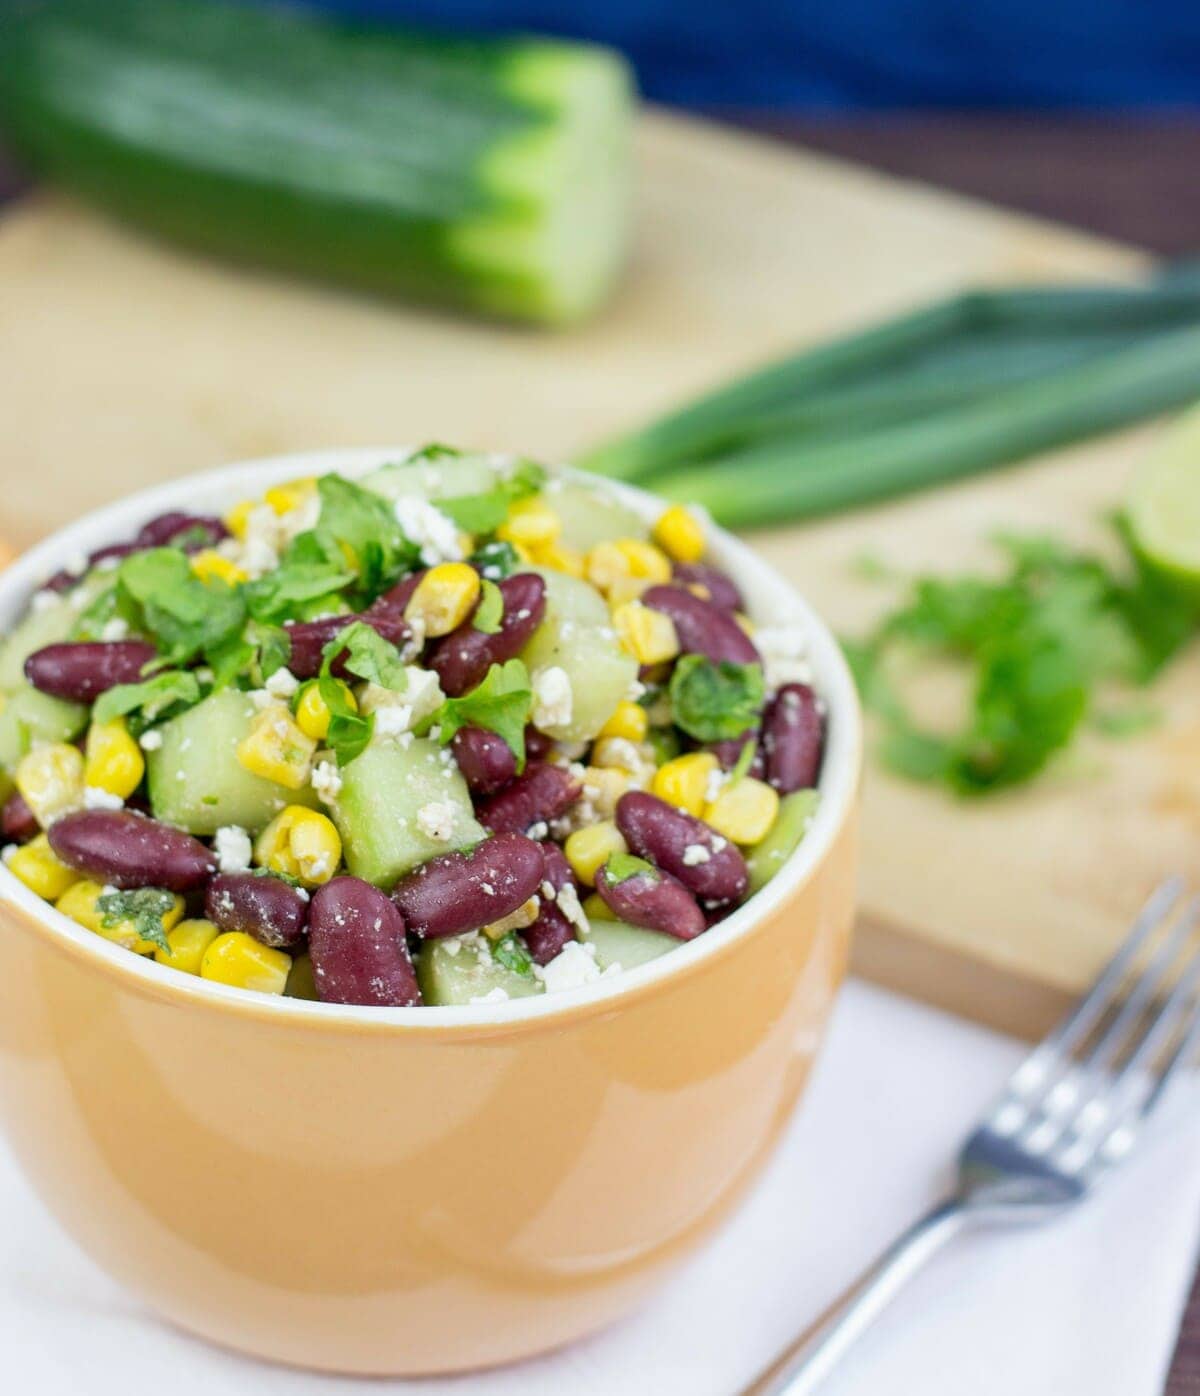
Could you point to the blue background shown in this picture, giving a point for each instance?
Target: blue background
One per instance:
(834, 54)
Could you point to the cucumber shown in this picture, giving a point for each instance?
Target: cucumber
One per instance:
(618, 943)
(457, 969)
(589, 516)
(443, 478)
(577, 636)
(27, 716)
(791, 823)
(487, 174)
(196, 780)
(38, 629)
(376, 810)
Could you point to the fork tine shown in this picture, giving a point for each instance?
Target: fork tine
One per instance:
(1180, 1004)
(1183, 1051)
(1067, 1035)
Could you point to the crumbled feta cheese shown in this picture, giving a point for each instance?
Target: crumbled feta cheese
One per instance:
(261, 698)
(7, 852)
(96, 798)
(231, 844)
(435, 533)
(45, 601)
(76, 563)
(151, 740)
(695, 854)
(573, 966)
(115, 629)
(437, 820)
(783, 649)
(451, 945)
(282, 683)
(496, 995)
(393, 719)
(326, 781)
(552, 697)
(571, 907)
(712, 788)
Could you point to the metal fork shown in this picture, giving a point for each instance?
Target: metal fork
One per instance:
(1070, 1113)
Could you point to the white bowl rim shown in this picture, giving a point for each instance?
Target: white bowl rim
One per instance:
(214, 491)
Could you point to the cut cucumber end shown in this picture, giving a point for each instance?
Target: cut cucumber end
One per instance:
(1164, 506)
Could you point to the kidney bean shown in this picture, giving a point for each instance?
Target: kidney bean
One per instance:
(309, 638)
(485, 759)
(722, 589)
(702, 626)
(654, 900)
(17, 821)
(396, 598)
(359, 953)
(729, 752)
(793, 739)
(459, 892)
(82, 671)
(463, 658)
(61, 581)
(551, 931)
(537, 744)
(542, 793)
(162, 530)
(265, 907)
(114, 552)
(129, 850)
(663, 835)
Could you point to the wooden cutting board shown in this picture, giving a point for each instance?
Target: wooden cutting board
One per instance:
(122, 363)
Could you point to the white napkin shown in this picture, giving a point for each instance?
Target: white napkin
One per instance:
(1090, 1304)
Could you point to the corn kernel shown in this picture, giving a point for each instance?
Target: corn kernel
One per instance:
(684, 780)
(647, 634)
(312, 712)
(748, 626)
(113, 760)
(558, 558)
(645, 560)
(626, 720)
(605, 565)
(589, 848)
(595, 908)
(444, 598)
(525, 915)
(625, 589)
(81, 903)
(531, 522)
(50, 779)
(276, 749)
(286, 497)
(238, 518)
(209, 564)
(188, 941)
(238, 959)
(744, 811)
(603, 786)
(38, 867)
(302, 843)
(680, 533)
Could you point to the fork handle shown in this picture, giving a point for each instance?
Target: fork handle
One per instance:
(801, 1368)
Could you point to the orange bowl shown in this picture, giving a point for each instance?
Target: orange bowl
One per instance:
(426, 1190)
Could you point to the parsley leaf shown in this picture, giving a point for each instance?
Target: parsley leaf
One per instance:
(502, 704)
(349, 730)
(369, 656)
(713, 702)
(143, 908)
(512, 954)
(620, 867)
(490, 611)
(172, 689)
(496, 560)
(185, 615)
(484, 513)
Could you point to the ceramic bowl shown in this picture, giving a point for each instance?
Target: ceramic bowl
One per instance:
(416, 1190)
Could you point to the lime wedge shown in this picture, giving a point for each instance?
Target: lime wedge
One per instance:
(1164, 505)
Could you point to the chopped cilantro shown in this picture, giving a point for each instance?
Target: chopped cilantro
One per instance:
(363, 522)
(502, 704)
(143, 908)
(349, 731)
(311, 569)
(496, 560)
(368, 656)
(742, 765)
(185, 616)
(172, 689)
(666, 744)
(620, 867)
(111, 603)
(713, 702)
(483, 513)
(510, 952)
(490, 611)
(253, 655)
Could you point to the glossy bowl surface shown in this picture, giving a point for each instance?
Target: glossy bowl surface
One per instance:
(427, 1190)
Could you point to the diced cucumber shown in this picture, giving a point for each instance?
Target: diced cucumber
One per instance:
(38, 629)
(376, 810)
(196, 780)
(590, 516)
(618, 943)
(577, 637)
(791, 823)
(444, 477)
(28, 716)
(457, 969)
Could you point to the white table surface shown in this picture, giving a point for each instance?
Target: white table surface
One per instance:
(1088, 1306)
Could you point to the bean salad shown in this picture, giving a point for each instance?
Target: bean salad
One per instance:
(458, 730)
